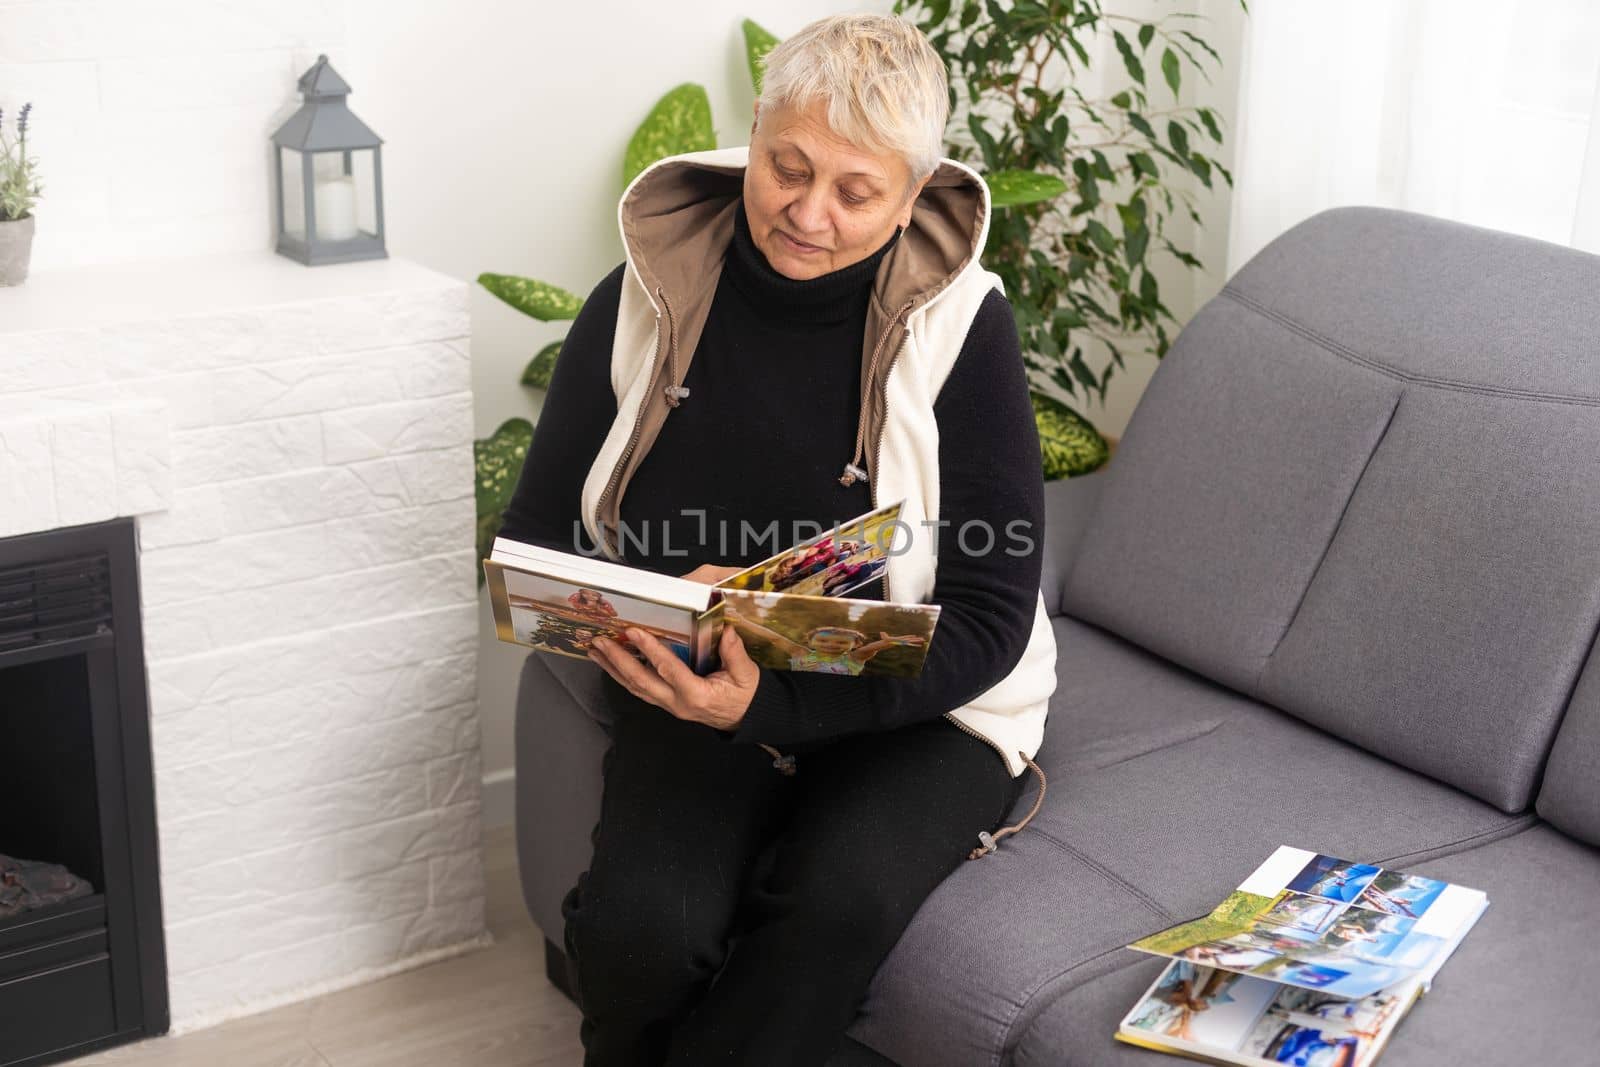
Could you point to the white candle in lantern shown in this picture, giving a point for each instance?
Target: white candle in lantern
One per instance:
(336, 208)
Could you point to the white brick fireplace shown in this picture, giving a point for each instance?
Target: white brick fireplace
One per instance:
(296, 444)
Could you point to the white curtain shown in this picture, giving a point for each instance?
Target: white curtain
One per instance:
(1488, 113)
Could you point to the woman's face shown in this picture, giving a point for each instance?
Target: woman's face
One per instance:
(815, 202)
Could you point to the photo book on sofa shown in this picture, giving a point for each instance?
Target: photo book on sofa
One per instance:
(791, 610)
(1313, 960)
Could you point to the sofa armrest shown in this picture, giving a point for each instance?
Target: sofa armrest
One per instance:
(1068, 505)
(562, 734)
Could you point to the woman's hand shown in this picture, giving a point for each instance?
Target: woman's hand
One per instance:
(719, 700)
(711, 574)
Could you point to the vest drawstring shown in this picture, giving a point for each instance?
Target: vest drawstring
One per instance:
(785, 764)
(854, 471)
(991, 842)
(675, 392)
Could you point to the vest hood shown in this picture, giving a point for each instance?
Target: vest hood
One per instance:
(676, 222)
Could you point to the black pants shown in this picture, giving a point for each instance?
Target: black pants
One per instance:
(736, 915)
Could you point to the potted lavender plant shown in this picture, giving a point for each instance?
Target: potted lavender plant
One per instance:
(18, 189)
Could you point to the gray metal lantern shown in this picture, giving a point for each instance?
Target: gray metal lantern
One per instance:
(329, 176)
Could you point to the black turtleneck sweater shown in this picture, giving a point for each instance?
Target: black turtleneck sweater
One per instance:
(757, 449)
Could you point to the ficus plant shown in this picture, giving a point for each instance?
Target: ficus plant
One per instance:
(1084, 186)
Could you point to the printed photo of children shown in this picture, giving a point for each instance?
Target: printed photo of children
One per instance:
(833, 563)
(829, 636)
(559, 617)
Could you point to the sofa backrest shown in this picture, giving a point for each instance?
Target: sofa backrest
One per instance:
(1364, 486)
(1570, 796)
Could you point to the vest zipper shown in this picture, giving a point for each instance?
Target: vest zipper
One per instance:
(987, 842)
(638, 421)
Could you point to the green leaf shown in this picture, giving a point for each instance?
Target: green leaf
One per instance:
(1202, 44)
(1169, 68)
(985, 139)
(1069, 444)
(1183, 257)
(1179, 137)
(758, 42)
(1008, 188)
(1147, 33)
(1129, 60)
(1210, 122)
(498, 461)
(1138, 239)
(1088, 187)
(1138, 122)
(540, 300)
(680, 122)
(536, 375)
(1143, 165)
(1102, 237)
(1122, 100)
(1080, 371)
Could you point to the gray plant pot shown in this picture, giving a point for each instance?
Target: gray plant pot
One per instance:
(16, 241)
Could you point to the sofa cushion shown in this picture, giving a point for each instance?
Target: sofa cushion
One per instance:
(1435, 300)
(1514, 992)
(1570, 797)
(1225, 491)
(1362, 487)
(1449, 620)
(1165, 790)
(1149, 758)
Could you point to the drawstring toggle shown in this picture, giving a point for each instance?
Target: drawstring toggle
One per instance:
(991, 842)
(851, 474)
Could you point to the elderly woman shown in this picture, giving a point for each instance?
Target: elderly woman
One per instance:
(801, 331)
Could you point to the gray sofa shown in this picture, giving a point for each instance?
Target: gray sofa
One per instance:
(1339, 589)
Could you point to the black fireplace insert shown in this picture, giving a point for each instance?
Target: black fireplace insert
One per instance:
(86, 970)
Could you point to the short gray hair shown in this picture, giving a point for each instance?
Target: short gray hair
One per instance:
(885, 86)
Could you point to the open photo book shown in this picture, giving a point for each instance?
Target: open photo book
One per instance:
(791, 611)
(1313, 960)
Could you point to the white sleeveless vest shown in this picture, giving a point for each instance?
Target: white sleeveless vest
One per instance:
(1010, 715)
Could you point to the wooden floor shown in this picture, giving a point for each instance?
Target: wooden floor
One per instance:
(489, 1008)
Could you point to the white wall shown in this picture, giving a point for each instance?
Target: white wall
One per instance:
(504, 125)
